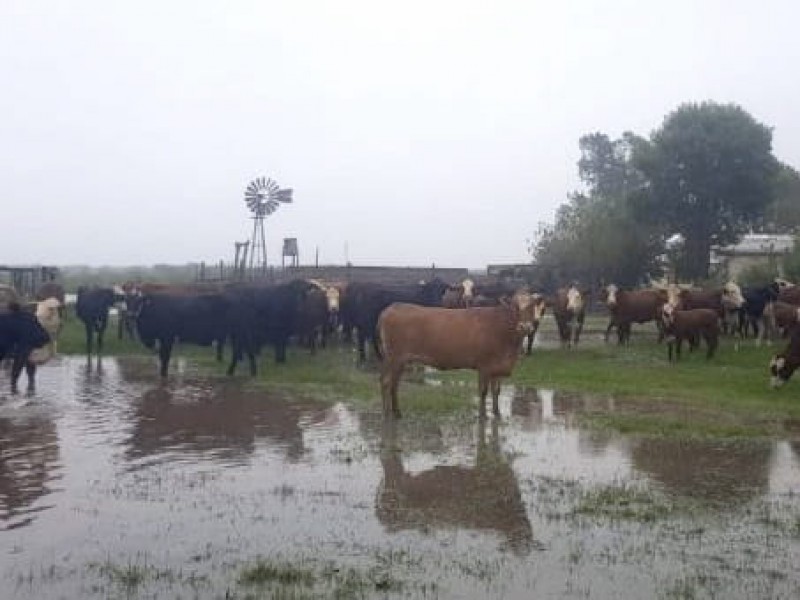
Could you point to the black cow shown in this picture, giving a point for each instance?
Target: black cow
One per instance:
(367, 301)
(92, 308)
(266, 314)
(755, 301)
(20, 334)
(196, 319)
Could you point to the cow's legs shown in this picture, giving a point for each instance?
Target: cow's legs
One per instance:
(101, 328)
(89, 336)
(495, 385)
(361, 343)
(711, 343)
(376, 344)
(164, 352)
(280, 348)
(220, 344)
(236, 355)
(529, 344)
(483, 390)
(611, 325)
(577, 328)
(30, 371)
(390, 382)
(16, 368)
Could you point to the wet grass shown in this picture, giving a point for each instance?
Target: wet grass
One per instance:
(135, 575)
(308, 580)
(624, 501)
(726, 396)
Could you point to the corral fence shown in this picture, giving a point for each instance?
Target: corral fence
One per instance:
(223, 272)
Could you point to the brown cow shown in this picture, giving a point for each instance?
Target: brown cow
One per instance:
(790, 295)
(779, 316)
(785, 363)
(569, 311)
(689, 325)
(632, 306)
(486, 339)
(724, 300)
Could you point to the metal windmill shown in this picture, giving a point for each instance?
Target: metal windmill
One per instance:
(263, 196)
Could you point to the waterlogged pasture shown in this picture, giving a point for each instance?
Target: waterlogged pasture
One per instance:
(115, 484)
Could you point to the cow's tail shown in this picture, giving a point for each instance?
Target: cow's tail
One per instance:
(379, 340)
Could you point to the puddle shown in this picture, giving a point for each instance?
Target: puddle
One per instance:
(113, 483)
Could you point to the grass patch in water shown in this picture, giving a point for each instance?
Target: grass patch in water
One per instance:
(289, 580)
(623, 502)
(264, 573)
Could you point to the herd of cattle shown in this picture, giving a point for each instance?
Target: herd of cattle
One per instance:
(479, 327)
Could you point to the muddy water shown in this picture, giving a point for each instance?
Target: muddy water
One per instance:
(113, 484)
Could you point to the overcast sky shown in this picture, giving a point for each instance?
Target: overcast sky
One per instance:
(412, 132)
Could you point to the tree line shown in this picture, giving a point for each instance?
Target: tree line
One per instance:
(705, 177)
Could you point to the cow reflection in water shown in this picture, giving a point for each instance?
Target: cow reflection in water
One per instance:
(484, 497)
(28, 466)
(222, 424)
(713, 472)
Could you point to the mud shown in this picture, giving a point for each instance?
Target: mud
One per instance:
(113, 484)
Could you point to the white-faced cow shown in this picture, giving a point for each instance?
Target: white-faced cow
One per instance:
(569, 312)
(690, 325)
(626, 307)
(784, 364)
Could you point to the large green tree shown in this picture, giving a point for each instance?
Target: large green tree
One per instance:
(710, 173)
(595, 235)
(782, 215)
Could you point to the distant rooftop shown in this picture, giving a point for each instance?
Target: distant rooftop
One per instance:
(760, 244)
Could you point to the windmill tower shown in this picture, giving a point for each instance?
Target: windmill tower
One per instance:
(263, 196)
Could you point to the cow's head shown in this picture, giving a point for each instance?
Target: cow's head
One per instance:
(668, 311)
(531, 310)
(48, 308)
(781, 368)
(574, 299)
(610, 295)
(333, 296)
(467, 285)
(732, 295)
(674, 295)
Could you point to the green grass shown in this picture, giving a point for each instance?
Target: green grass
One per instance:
(727, 396)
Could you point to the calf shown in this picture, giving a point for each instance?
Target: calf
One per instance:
(20, 334)
(569, 311)
(634, 306)
(724, 300)
(680, 325)
(785, 363)
(485, 339)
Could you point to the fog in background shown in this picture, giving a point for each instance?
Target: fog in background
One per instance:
(412, 133)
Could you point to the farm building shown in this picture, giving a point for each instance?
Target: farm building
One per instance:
(753, 250)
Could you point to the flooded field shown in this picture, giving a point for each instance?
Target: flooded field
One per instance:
(114, 485)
